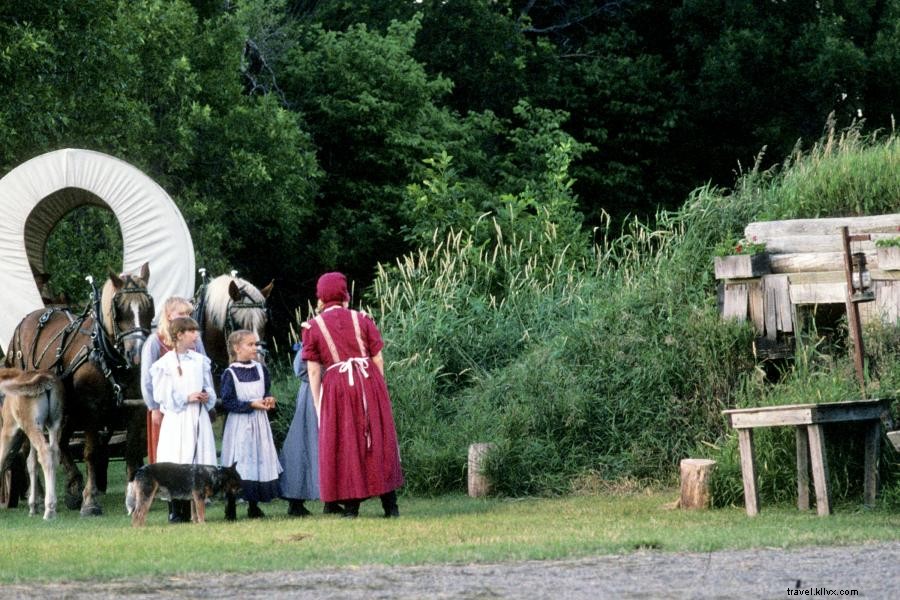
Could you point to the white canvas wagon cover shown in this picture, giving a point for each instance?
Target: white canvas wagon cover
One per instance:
(38, 193)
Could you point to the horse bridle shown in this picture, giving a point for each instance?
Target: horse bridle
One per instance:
(121, 336)
(110, 357)
(244, 303)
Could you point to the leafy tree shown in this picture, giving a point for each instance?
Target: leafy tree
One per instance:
(156, 85)
(768, 74)
(371, 110)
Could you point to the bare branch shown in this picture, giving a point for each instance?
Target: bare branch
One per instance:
(258, 65)
(608, 7)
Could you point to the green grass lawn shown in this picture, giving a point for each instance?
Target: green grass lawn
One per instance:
(453, 529)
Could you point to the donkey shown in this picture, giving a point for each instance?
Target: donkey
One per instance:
(33, 402)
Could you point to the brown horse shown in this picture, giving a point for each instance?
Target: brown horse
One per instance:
(33, 402)
(226, 304)
(97, 355)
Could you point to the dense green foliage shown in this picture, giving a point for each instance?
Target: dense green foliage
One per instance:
(614, 363)
(481, 142)
(296, 126)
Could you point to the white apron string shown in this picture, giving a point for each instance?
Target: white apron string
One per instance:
(360, 364)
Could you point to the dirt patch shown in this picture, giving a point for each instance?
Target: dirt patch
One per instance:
(871, 571)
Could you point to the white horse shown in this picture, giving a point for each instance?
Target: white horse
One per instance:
(226, 304)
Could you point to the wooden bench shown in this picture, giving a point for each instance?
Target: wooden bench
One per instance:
(809, 420)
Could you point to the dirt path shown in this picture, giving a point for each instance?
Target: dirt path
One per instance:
(873, 571)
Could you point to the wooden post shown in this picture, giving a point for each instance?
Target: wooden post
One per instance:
(478, 484)
(748, 471)
(695, 477)
(819, 459)
(802, 438)
(853, 320)
(873, 439)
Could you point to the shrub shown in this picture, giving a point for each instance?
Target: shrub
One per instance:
(611, 361)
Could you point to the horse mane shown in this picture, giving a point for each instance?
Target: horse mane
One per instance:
(218, 299)
(106, 305)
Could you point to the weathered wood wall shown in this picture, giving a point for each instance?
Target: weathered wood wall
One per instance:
(806, 267)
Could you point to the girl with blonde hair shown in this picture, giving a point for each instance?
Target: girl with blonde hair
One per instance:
(154, 348)
(247, 439)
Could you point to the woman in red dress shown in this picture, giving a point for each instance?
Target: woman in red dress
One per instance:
(358, 453)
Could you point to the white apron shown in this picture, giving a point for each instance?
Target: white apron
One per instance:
(247, 437)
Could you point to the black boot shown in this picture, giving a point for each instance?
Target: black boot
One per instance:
(351, 509)
(175, 512)
(185, 510)
(296, 509)
(254, 512)
(332, 508)
(389, 504)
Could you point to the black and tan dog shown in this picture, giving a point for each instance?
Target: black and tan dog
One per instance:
(184, 482)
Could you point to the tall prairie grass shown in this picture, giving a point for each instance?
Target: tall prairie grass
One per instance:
(591, 357)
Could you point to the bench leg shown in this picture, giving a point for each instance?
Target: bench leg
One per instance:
(819, 461)
(873, 439)
(748, 471)
(802, 467)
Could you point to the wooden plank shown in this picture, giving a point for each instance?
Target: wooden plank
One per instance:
(764, 230)
(748, 472)
(800, 415)
(807, 414)
(819, 460)
(814, 277)
(770, 308)
(870, 481)
(801, 244)
(741, 266)
(805, 262)
(784, 314)
(879, 403)
(887, 301)
(839, 276)
(888, 258)
(818, 293)
(802, 467)
(757, 305)
(736, 298)
(787, 416)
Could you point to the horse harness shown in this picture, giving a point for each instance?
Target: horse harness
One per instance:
(246, 302)
(106, 355)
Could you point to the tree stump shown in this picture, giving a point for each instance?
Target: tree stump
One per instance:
(478, 484)
(695, 477)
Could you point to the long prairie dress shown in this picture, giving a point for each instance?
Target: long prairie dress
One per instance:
(247, 437)
(300, 453)
(358, 452)
(186, 434)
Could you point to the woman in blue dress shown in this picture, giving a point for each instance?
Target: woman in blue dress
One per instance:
(300, 453)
